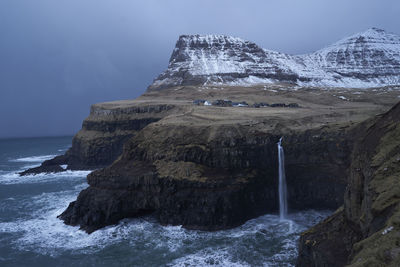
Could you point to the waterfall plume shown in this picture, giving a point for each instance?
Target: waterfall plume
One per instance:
(282, 182)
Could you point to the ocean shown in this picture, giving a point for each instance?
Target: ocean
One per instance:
(31, 234)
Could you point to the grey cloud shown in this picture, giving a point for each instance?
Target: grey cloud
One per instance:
(59, 57)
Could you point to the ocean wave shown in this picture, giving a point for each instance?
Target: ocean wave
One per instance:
(40, 158)
(208, 257)
(45, 234)
(15, 178)
(261, 241)
(25, 167)
(64, 149)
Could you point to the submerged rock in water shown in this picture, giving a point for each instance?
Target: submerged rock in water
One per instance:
(52, 165)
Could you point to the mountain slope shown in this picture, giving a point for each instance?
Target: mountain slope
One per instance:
(221, 59)
(370, 58)
(365, 231)
(367, 59)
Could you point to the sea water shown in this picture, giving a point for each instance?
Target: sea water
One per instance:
(31, 234)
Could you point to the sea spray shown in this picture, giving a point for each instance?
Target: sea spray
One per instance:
(282, 182)
(29, 223)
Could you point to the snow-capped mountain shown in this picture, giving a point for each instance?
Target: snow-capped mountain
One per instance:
(367, 59)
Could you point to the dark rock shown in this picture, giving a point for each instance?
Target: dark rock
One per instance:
(222, 103)
(195, 204)
(263, 104)
(365, 231)
(41, 169)
(260, 105)
(52, 165)
(213, 183)
(274, 105)
(329, 243)
(103, 135)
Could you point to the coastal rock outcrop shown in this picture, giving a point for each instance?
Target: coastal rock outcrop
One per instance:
(103, 134)
(198, 149)
(366, 230)
(367, 59)
(212, 176)
(214, 167)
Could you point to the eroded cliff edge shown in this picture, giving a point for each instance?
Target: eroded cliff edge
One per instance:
(103, 134)
(210, 167)
(208, 178)
(365, 231)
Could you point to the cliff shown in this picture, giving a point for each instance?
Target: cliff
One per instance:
(103, 134)
(214, 167)
(200, 62)
(365, 231)
(211, 177)
(198, 149)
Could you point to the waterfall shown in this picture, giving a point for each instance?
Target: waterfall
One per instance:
(282, 183)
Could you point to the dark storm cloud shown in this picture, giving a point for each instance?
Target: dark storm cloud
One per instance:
(58, 57)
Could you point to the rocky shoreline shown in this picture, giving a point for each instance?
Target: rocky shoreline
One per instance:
(103, 134)
(212, 168)
(210, 186)
(198, 149)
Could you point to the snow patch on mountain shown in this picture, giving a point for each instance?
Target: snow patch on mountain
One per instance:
(367, 59)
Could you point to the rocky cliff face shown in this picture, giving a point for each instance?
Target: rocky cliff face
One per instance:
(211, 167)
(366, 231)
(367, 59)
(218, 59)
(212, 177)
(103, 134)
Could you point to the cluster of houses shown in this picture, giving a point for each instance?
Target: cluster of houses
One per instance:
(229, 103)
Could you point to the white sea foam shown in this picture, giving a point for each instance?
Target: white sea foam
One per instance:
(25, 167)
(47, 235)
(43, 233)
(208, 257)
(40, 158)
(15, 178)
(288, 251)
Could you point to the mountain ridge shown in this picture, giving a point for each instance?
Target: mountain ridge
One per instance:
(367, 59)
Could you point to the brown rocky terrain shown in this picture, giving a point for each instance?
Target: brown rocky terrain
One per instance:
(215, 166)
(365, 231)
(111, 124)
(103, 134)
(210, 167)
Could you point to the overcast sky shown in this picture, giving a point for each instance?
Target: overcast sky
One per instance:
(57, 57)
